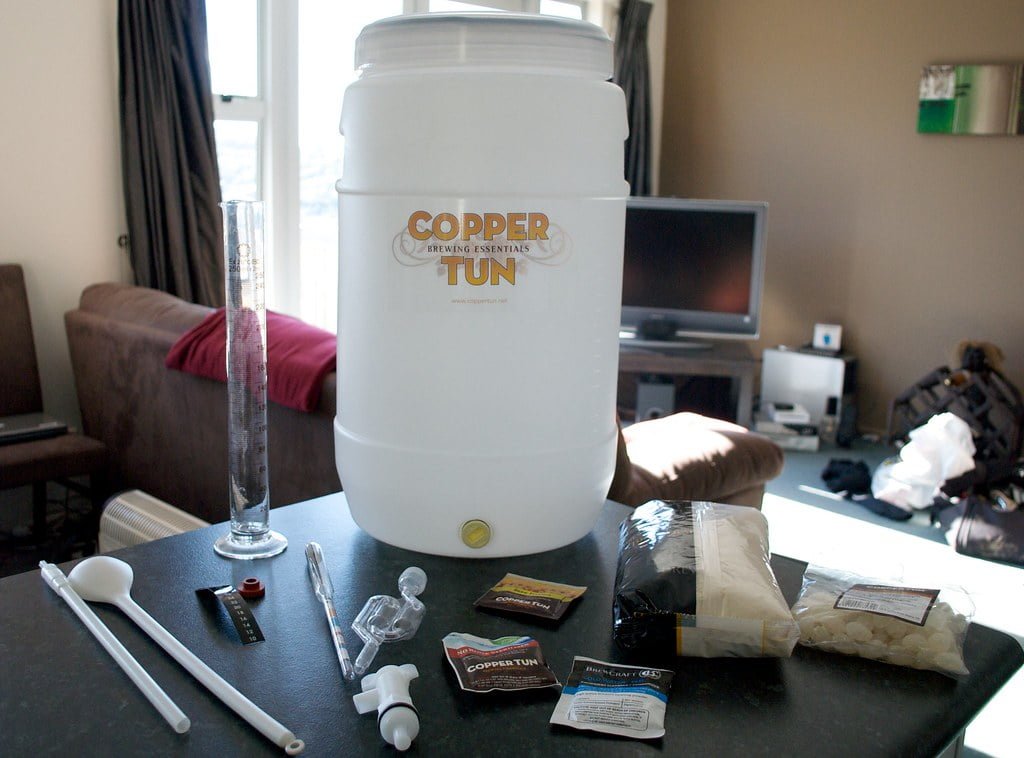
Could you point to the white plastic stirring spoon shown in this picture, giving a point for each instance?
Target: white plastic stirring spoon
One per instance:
(174, 716)
(103, 579)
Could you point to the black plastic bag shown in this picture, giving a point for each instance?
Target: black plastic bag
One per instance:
(982, 530)
(694, 579)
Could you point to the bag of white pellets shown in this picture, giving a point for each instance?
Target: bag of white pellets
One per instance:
(846, 613)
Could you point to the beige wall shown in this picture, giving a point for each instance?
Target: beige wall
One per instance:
(60, 187)
(911, 242)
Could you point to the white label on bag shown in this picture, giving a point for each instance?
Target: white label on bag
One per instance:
(905, 603)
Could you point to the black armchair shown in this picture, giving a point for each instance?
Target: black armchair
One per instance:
(37, 461)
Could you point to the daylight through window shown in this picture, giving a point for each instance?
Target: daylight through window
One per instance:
(279, 69)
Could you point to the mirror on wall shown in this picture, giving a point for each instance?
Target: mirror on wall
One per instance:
(971, 99)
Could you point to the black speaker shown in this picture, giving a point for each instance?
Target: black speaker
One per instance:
(846, 433)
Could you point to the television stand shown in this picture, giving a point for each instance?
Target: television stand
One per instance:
(625, 343)
(728, 359)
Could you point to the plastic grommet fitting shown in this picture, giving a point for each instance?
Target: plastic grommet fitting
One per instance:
(475, 533)
(252, 588)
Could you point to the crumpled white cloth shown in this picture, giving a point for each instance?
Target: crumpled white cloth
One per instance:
(940, 450)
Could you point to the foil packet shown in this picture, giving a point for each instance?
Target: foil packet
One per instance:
(507, 664)
(535, 597)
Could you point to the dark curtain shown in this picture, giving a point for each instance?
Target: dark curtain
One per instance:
(633, 75)
(169, 159)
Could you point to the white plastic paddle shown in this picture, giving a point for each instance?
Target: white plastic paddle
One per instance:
(103, 579)
(174, 716)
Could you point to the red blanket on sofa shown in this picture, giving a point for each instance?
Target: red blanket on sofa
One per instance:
(299, 356)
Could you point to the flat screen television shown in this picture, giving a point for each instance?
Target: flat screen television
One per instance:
(693, 271)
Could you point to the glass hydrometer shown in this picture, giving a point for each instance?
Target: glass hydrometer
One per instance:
(245, 313)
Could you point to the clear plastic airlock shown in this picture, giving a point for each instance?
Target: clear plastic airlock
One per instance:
(388, 619)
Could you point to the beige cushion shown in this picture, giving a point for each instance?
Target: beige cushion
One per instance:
(687, 456)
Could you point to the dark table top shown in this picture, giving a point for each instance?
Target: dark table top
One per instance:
(61, 694)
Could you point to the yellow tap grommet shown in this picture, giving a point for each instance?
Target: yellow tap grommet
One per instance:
(475, 533)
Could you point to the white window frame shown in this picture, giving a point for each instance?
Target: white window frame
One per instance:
(515, 6)
(280, 151)
(275, 110)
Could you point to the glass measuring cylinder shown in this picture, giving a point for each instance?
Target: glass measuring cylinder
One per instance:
(246, 317)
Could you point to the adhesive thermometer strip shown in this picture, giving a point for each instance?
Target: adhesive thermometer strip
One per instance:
(238, 610)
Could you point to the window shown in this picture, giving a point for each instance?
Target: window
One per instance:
(279, 70)
(232, 27)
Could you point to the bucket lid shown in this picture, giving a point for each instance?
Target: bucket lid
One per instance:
(484, 41)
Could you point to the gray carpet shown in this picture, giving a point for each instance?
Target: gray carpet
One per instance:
(801, 481)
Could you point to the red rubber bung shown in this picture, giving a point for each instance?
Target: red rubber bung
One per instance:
(252, 588)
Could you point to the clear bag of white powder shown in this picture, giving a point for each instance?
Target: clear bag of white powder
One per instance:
(920, 627)
(694, 579)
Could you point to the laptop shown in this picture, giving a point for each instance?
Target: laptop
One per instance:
(29, 426)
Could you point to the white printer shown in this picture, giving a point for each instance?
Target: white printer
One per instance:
(814, 379)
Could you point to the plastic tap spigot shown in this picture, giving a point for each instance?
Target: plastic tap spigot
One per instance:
(387, 692)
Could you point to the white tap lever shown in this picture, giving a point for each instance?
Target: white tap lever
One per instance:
(387, 692)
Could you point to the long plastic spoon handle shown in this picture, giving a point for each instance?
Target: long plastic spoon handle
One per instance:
(231, 697)
(174, 716)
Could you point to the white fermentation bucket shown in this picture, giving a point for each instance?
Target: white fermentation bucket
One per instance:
(482, 209)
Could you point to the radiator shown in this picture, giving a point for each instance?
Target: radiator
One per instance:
(133, 517)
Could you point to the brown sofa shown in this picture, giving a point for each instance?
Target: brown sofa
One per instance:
(167, 430)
